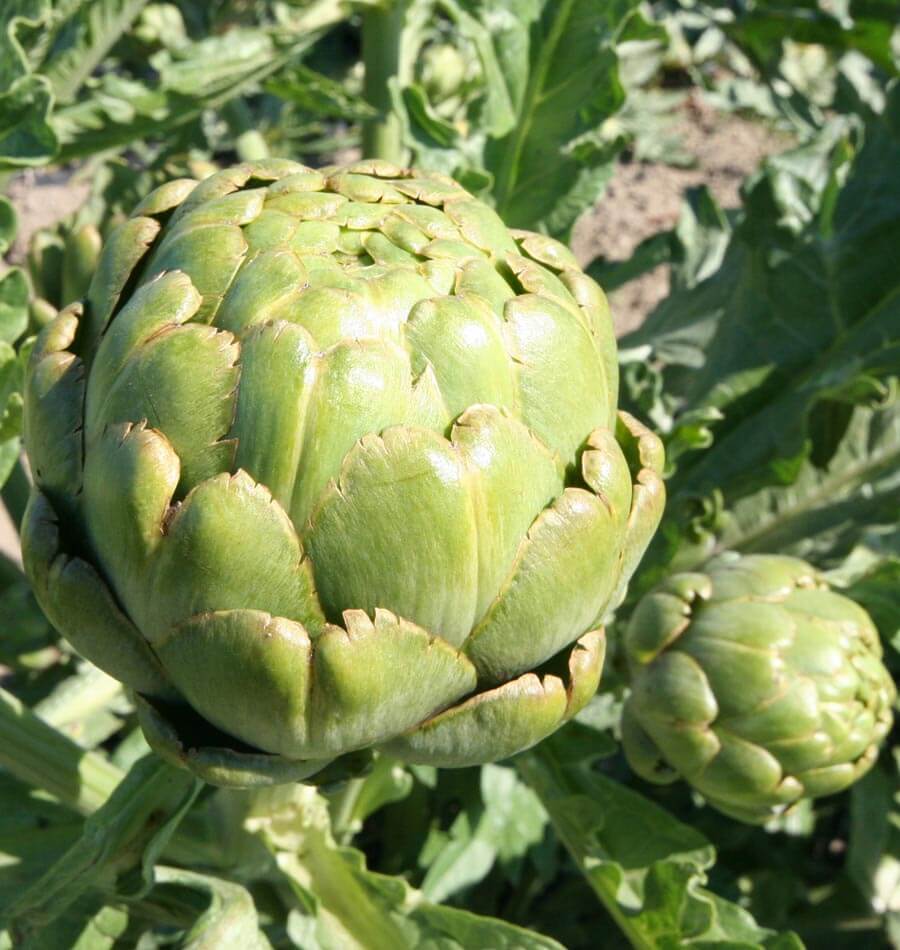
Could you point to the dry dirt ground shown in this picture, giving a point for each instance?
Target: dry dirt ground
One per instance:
(644, 198)
(42, 198)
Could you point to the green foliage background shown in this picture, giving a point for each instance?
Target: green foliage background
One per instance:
(771, 370)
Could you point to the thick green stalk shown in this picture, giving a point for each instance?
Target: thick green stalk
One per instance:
(382, 34)
(125, 835)
(341, 894)
(36, 754)
(76, 698)
(41, 757)
(342, 806)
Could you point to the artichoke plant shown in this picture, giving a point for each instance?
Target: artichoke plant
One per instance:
(755, 683)
(331, 460)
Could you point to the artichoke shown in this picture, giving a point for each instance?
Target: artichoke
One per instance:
(756, 684)
(443, 71)
(329, 461)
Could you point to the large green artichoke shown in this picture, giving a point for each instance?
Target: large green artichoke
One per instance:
(755, 683)
(330, 460)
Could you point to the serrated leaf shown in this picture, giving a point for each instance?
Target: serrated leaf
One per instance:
(27, 137)
(795, 340)
(229, 922)
(528, 132)
(572, 87)
(645, 866)
(316, 94)
(823, 509)
(509, 821)
(82, 40)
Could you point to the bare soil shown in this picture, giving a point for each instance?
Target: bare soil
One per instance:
(41, 198)
(644, 198)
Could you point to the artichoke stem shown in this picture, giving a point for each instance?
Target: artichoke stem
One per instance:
(343, 809)
(40, 756)
(382, 35)
(339, 891)
(35, 753)
(136, 820)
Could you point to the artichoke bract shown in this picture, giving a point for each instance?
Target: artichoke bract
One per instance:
(756, 683)
(330, 460)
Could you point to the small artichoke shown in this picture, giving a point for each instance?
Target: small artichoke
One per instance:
(443, 71)
(330, 460)
(756, 684)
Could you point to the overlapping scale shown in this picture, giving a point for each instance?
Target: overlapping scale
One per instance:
(755, 683)
(397, 530)
(345, 456)
(54, 399)
(270, 423)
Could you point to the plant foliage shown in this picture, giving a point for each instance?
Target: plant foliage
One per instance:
(771, 370)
